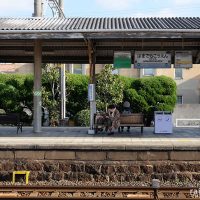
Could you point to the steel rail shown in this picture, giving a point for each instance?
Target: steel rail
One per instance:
(68, 192)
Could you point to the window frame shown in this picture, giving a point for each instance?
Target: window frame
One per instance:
(178, 77)
(177, 102)
(152, 74)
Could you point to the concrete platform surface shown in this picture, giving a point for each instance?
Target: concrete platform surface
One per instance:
(77, 138)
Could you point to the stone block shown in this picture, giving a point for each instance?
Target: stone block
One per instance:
(142, 156)
(185, 155)
(5, 176)
(30, 155)
(59, 155)
(7, 165)
(64, 166)
(44, 176)
(51, 166)
(153, 156)
(146, 169)
(169, 176)
(7, 154)
(122, 156)
(34, 165)
(92, 155)
(58, 176)
(184, 177)
(164, 167)
(158, 156)
(134, 169)
(33, 176)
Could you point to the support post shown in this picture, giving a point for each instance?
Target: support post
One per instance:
(62, 90)
(37, 87)
(92, 60)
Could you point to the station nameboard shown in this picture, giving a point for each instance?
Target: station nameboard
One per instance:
(91, 92)
(152, 59)
(183, 59)
(122, 59)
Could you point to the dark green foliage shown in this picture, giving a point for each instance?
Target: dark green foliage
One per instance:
(16, 93)
(159, 92)
(13, 92)
(138, 103)
(27, 92)
(82, 118)
(127, 82)
(150, 94)
(76, 93)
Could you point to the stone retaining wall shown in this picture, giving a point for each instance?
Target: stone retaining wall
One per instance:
(154, 155)
(117, 167)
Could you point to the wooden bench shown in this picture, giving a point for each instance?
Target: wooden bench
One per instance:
(132, 120)
(11, 119)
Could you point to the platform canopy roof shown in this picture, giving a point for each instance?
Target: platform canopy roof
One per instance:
(66, 39)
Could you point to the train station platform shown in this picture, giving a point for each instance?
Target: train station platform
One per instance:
(77, 138)
(70, 154)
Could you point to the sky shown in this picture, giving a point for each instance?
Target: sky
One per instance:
(107, 8)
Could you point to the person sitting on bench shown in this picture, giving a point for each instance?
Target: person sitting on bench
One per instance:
(112, 119)
(126, 111)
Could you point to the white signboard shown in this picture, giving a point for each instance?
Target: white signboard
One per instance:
(195, 123)
(183, 59)
(163, 123)
(91, 92)
(152, 59)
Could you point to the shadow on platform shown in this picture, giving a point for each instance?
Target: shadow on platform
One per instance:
(82, 132)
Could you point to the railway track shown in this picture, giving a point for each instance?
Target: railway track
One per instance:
(142, 193)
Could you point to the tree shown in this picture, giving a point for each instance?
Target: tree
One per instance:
(109, 88)
(51, 92)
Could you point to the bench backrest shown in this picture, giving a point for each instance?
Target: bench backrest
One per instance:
(9, 118)
(133, 118)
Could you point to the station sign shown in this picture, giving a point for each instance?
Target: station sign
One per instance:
(152, 59)
(183, 59)
(122, 59)
(91, 92)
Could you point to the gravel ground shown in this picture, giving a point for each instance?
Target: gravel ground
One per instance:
(134, 184)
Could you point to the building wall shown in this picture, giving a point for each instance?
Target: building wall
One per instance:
(186, 111)
(188, 86)
(17, 68)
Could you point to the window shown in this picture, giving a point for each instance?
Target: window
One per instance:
(178, 73)
(179, 99)
(149, 72)
(77, 69)
(115, 71)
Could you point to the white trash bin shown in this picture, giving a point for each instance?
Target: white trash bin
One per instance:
(163, 122)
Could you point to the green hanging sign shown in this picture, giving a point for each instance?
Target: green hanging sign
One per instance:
(122, 59)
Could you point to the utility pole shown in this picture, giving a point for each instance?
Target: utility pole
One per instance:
(62, 73)
(38, 8)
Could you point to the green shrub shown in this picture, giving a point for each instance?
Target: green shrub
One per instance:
(76, 93)
(137, 102)
(14, 93)
(82, 118)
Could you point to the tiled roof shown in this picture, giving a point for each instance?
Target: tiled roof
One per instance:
(98, 24)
